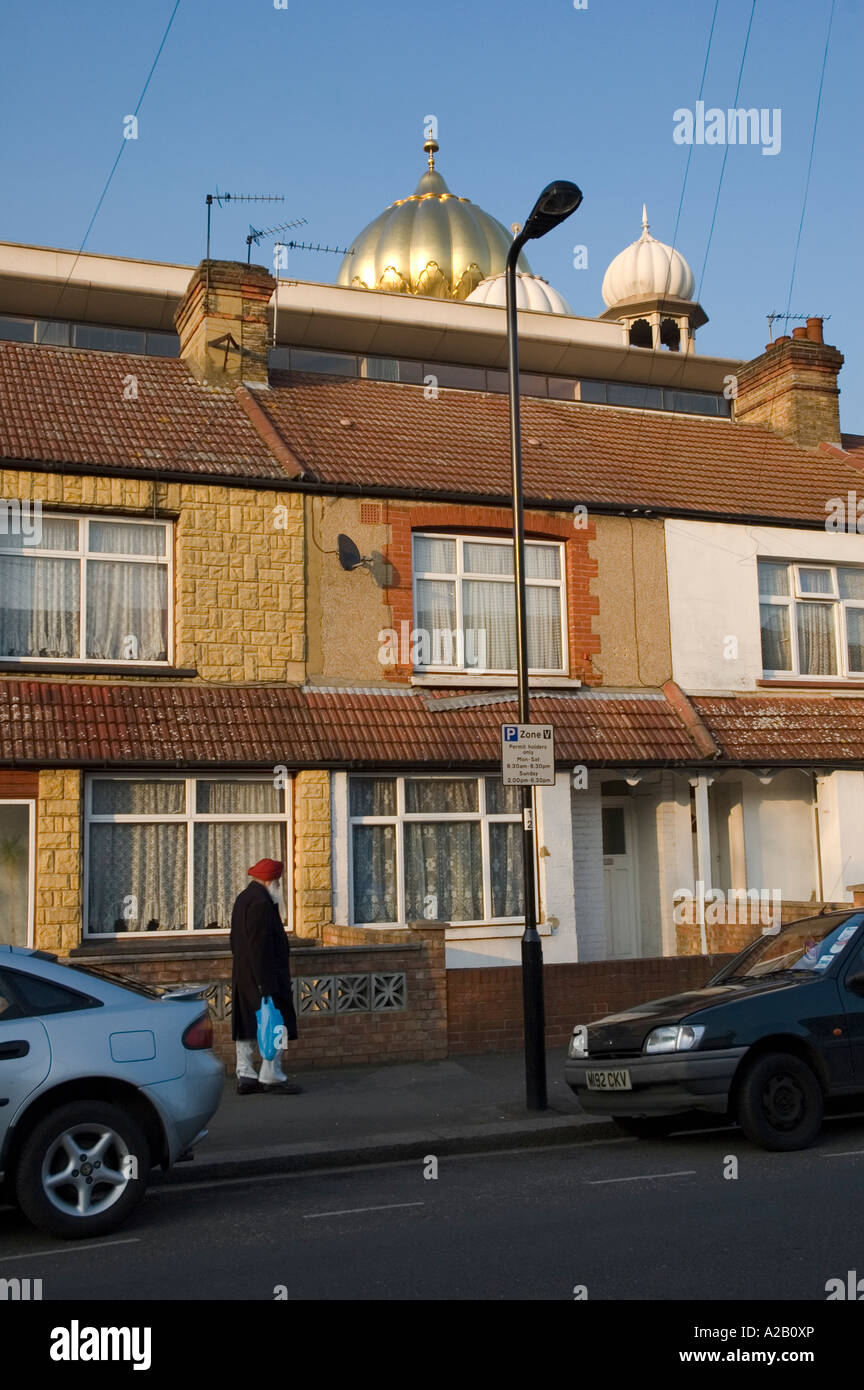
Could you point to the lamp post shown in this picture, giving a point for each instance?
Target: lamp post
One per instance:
(556, 202)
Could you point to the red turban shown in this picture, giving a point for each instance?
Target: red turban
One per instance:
(266, 869)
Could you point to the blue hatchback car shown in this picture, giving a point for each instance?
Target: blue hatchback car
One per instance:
(101, 1079)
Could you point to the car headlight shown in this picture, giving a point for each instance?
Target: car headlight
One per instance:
(579, 1042)
(674, 1037)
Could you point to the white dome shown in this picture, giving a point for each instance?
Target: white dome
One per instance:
(532, 292)
(647, 269)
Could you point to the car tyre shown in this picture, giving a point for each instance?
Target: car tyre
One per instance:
(74, 1177)
(646, 1126)
(780, 1102)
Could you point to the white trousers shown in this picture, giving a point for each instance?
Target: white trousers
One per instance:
(271, 1072)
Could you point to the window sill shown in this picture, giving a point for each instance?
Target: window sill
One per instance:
(94, 668)
(451, 679)
(812, 683)
(491, 933)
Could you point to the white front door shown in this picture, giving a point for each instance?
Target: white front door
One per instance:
(17, 821)
(619, 879)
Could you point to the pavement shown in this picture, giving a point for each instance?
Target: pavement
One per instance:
(372, 1114)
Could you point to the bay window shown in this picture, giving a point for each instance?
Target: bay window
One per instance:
(434, 848)
(86, 589)
(465, 607)
(170, 854)
(812, 619)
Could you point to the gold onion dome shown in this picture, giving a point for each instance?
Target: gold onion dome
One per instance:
(431, 243)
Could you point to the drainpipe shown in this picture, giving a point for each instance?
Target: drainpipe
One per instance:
(701, 783)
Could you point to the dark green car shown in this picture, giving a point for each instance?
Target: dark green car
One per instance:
(773, 1036)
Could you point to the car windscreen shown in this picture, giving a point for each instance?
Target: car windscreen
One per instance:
(812, 944)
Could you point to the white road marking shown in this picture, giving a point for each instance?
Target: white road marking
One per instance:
(71, 1249)
(846, 1153)
(640, 1177)
(355, 1211)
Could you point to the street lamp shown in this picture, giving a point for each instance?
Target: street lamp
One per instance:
(557, 201)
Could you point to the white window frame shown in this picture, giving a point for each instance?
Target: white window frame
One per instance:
(797, 595)
(401, 817)
(190, 818)
(460, 575)
(82, 554)
(30, 803)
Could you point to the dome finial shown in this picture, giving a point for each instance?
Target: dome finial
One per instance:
(431, 148)
(644, 218)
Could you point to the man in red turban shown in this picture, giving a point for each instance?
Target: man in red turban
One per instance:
(261, 967)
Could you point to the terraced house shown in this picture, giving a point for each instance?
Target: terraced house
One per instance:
(256, 600)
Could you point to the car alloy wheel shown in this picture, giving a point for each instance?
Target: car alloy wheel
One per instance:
(87, 1169)
(82, 1169)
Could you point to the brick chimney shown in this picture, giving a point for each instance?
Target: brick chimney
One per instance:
(222, 323)
(792, 388)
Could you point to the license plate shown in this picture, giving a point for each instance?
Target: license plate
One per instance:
(608, 1080)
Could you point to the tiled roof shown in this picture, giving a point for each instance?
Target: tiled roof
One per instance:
(66, 406)
(770, 729)
(62, 406)
(54, 723)
(377, 433)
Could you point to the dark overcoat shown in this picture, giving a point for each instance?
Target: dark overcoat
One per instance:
(261, 963)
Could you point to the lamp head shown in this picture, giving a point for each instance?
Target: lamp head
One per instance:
(557, 201)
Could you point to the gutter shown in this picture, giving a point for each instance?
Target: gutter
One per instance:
(309, 485)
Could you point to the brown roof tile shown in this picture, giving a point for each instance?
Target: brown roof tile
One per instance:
(591, 454)
(66, 406)
(62, 406)
(770, 729)
(56, 723)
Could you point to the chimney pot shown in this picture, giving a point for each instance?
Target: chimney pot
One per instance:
(784, 339)
(814, 330)
(799, 333)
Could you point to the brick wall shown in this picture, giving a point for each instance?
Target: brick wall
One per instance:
(734, 936)
(485, 1006)
(416, 1033)
(238, 577)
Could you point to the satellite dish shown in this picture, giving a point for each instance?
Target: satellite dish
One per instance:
(349, 556)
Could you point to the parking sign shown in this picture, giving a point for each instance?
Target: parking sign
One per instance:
(527, 755)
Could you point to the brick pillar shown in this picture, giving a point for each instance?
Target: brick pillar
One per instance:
(59, 867)
(312, 887)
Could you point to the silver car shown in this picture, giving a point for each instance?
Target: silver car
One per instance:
(101, 1079)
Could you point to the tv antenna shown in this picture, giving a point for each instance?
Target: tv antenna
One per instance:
(299, 246)
(222, 198)
(257, 235)
(787, 318)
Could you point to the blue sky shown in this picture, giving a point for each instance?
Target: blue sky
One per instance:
(324, 102)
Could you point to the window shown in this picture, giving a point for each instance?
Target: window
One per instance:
(38, 996)
(812, 619)
(434, 848)
(465, 611)
(86, 589)
(170, 854)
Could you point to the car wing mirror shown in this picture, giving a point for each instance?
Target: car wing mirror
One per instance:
(855, 982)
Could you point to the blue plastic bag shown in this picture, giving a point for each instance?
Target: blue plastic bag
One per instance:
(270, 1021)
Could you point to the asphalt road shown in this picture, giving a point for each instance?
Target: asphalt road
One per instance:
(627, 1219)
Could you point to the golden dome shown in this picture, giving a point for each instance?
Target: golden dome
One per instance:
(431, 243)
